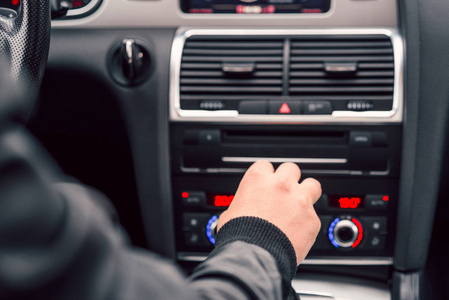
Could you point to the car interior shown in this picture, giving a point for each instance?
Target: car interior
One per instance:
(162, 105)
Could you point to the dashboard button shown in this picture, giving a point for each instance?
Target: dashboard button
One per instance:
(253, 107)
(360, 138)
(193, 198)
(375, 242)
(376, 202)
(284, 107)
(195, 238)
(195, 220)
(209, 136)
(317, 108)
(375, 225)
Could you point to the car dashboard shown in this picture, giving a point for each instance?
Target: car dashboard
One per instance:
(350, 90)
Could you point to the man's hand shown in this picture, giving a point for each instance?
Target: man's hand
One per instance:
(278, 198)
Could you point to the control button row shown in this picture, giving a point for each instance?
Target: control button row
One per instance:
(194, 228)
(285, 107)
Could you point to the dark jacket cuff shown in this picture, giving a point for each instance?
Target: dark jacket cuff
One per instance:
(264, 234)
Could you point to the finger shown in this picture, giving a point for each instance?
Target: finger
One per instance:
(258, 168)
(255, 175)
(289, 170)
(312, 188)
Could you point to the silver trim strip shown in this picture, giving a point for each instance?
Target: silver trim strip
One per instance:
(314, 294)
(337, 117)
(334, 261)
(286, 159)
(83, 10)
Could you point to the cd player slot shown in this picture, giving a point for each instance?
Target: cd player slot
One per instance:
(284, 137)
(355, 152)
(276, 160)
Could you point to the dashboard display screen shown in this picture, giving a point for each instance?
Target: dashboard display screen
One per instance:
(254, 6)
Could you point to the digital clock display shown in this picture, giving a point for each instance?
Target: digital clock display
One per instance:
(219, 200)
(346, 201)
(255, 6)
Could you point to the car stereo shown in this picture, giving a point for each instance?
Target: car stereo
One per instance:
(255, 6)
(329, 100)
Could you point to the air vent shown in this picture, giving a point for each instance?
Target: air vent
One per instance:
(231, 68)
(343, 68)
(287, 76)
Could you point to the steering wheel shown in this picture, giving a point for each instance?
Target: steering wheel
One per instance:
(24, 44)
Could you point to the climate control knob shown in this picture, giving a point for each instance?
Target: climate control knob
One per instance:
(345, 232)
(211, 229)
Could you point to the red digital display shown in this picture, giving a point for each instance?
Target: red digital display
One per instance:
(346, 201)
(219, 200)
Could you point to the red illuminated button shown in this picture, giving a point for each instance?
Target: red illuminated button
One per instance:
(15, 2)
(193, 198)
(284, 107)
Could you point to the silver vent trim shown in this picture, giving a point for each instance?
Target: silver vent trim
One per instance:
(337, 117)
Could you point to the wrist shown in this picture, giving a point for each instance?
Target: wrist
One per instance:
(264, 234)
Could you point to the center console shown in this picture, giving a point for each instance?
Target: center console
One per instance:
(329, 100)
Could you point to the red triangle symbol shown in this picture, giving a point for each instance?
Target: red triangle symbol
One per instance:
(284, 109)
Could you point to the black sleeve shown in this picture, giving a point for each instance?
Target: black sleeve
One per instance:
(249, 231)
(57, 241)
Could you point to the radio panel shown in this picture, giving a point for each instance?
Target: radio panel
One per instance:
(358, 168)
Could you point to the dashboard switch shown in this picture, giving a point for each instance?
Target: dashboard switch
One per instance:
(209, 136)
(317, 108)
(375, 242)
(284, 107)
(376, 202)
(360, 138)
(194, 198)
(253, 107)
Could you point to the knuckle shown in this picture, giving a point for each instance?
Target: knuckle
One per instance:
(257, 169)
(283, 185)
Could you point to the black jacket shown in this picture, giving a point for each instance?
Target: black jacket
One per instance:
(58, 241)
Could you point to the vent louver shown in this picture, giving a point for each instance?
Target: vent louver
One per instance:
(204, 62)
(371, 59)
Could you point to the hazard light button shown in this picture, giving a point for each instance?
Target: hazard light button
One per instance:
(284, 107)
